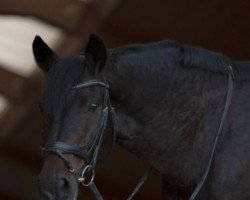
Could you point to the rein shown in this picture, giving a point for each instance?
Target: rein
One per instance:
(231, 76)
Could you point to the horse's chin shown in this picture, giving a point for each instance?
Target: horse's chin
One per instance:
(75, 193)
(50, 197)
(73, 196)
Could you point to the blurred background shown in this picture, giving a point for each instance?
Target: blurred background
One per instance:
(219, 25)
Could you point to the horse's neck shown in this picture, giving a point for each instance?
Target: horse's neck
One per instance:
(143, 112)
(159, 120)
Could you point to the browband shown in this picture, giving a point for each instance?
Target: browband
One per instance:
(91, 83)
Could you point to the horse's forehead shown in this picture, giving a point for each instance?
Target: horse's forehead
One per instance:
(68, 64)
(66, 71)
(61, 78)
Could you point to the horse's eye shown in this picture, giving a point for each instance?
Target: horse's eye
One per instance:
(93, 107)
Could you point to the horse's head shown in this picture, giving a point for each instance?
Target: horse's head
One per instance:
(76, 107)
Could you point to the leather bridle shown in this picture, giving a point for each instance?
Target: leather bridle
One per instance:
(88, 173)
(90, 156)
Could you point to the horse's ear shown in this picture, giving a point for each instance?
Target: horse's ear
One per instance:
(96, 53)
(44, 56)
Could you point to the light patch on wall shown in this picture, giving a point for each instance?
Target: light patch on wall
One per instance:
(16, 37)
(3, 105)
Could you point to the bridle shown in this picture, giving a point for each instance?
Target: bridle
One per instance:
(60, 148)
(87, 175)
(90, 156)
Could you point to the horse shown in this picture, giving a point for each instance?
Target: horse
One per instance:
(181, 109)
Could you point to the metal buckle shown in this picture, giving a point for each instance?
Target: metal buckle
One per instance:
(82, 179)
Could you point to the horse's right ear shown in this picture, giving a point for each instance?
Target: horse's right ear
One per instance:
(44, 56)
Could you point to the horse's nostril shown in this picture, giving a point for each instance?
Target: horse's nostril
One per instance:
(61, 188)
(64, 188)
(64, 184)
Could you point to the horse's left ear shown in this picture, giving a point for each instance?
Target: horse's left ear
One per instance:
(96, 53)
(43, 54)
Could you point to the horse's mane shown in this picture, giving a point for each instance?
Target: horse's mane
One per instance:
(193, 57)
(215, 62)
(205, 59)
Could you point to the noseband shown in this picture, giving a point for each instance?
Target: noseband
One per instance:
(90, 156)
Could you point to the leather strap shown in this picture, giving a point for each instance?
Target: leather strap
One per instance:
(231, 76)
(66, 148)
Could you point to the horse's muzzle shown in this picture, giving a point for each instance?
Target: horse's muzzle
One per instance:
(55, 182)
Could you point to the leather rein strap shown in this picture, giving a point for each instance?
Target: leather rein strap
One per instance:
(231, 76)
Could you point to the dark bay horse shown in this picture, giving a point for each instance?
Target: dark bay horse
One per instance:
(168, 100)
